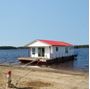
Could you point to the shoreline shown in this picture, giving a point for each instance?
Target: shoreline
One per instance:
(48, 69)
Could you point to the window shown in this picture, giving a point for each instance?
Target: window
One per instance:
(66, 50)
(33, 50)
(56, 48)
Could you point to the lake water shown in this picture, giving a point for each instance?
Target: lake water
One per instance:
(81, 62)
(11, 55)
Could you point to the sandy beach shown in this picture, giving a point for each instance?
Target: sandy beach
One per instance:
(44, 78)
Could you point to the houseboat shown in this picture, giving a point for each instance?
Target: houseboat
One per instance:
(49, 51)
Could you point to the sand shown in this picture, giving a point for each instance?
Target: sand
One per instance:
(44, 78)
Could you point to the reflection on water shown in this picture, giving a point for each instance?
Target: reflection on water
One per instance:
(82, 62)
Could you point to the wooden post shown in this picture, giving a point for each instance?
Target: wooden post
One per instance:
(8, 79)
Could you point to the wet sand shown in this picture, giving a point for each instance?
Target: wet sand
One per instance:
(44, 78)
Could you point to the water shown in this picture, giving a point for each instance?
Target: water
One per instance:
(82, 58)
(82, 62)
(10, 56)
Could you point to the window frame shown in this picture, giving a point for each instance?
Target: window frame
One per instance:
(33, 51)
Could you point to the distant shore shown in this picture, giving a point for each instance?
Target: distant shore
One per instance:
(35, 77)
(24, 47)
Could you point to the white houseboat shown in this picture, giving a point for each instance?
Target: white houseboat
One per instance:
(48, 51)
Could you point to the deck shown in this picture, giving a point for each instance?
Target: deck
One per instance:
(31, 59)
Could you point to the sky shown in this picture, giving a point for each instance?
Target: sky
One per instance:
(22, 21)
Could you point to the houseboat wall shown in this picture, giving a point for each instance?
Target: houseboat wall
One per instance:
(54, 52)
(46, 54)
(57, 52)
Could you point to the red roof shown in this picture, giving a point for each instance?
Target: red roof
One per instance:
(56, 43)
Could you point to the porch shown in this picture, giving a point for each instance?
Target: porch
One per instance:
(32, 60)
(40, 52)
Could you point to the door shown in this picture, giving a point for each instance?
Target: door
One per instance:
(41, 52)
